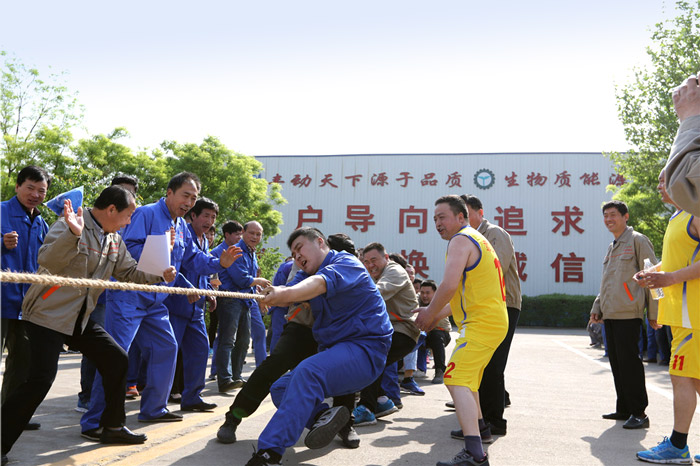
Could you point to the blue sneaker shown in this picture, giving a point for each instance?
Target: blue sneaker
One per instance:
(363, 416)
(82, 406)
(410, 386)
(666, 453)
(697, 458)
(386, 408)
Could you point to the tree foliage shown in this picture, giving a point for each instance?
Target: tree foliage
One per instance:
(646, 111)
(36, 120)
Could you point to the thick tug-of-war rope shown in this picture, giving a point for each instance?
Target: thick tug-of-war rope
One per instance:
(54, 280)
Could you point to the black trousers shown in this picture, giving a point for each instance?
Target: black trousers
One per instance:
(401, 345)
(294, 345)
(437, 340)
(628, 371)
(46, 344)
(492, 391)
(14, 338)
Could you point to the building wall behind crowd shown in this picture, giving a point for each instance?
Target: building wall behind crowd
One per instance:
(550, 204)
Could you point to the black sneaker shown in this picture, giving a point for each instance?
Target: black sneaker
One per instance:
(92, 434)
(485, 433)
(227, 432)
(349, 437)
(463, 458)
(327, 425)
(264, 458)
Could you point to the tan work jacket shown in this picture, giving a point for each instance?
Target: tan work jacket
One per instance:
(503, 245)
(400, 298)
(683, 166)
(93, 254)
(620, 297)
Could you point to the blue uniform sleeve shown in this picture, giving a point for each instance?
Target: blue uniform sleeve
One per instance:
(134, 235)
(239, 272)
(282, 274)
(340, 275)
(182, 282)
(197, 260)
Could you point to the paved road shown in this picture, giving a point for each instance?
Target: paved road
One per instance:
(559, 388)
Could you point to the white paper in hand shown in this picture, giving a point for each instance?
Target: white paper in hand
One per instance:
(155, 256)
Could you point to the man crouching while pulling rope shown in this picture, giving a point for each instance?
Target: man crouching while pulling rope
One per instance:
(78, 246)
(353, 332)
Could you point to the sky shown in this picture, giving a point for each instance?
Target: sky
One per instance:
(328, 77)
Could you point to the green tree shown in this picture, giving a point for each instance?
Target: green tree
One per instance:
(35, 120)
(233, 181)
(646, 111)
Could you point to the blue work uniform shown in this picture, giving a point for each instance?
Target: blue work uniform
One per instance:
(352, 328)
(143, 316)
(277, 314)
(190, 330)
(235, 314)
(23, 258)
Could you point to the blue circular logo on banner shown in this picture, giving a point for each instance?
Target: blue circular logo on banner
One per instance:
(484, 178)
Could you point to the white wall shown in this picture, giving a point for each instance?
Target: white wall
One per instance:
(539, 243)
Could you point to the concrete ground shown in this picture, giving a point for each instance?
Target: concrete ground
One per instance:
(559, 388)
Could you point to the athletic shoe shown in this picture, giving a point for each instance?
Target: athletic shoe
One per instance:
(227, 432)
(386, 408)
(410, 386)
(450, 404)
(486, 436)
(82, 407)
(92, 434)
(463, 458)
(363, 416)
(264, 458)
(438, 379)
(697, 458)
(666, 453)
(326, 427)
(349, 436)
(132, 392)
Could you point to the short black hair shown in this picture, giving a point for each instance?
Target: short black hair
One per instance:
(398, 258)
(231, 226)
(472, 201)
(181, 178)
(126, 179)
(619, 205)
(310, 233)
(115, 195)
(34, 173)
(375, 246)
(417, 280)
(341, 242)
(456, 203)
(429, 283)
(201, 204)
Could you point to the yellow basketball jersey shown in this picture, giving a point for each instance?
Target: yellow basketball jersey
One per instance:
(680, 307)
(479, 305)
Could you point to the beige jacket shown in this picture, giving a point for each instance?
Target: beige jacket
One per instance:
(620, 297)
(67, 255)
(683, 166)
(400, 299)
(503, 245)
